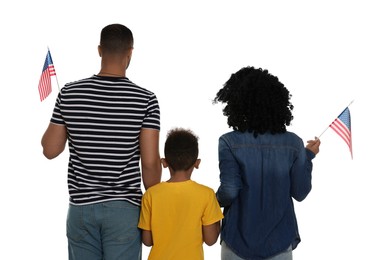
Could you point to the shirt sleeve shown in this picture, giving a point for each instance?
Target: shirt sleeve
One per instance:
(57, 117)
(152, 119)
(145, 213)
(213, 212)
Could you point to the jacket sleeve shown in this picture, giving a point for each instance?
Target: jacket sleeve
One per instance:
(301, 174)
(230, 178)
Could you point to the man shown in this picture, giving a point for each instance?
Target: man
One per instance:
(111, 125)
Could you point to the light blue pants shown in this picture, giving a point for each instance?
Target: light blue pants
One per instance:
(104, 231)
(227, 254)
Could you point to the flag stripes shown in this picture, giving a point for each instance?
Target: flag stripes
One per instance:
(341, 130)
(45, 86)
(342, 126)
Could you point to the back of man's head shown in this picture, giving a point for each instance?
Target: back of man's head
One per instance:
(116, 39)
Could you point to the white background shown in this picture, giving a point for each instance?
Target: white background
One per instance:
(327, 53)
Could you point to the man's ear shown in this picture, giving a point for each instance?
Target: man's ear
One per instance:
(129, 53)
(128, 57)
(100, 51)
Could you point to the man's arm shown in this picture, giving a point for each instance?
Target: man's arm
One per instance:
(149, 156)
(147, 237)
(211, 233)
(54, 140)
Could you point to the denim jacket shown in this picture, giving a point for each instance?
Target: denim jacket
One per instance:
(259, 177)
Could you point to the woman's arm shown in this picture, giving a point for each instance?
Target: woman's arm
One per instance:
(230, 178)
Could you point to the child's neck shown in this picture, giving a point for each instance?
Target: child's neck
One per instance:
(180, 176)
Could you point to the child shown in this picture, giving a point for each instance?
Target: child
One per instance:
(177, 216)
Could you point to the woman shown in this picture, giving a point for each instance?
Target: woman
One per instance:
(262, 167)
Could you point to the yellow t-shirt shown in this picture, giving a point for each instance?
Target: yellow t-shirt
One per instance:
(174, 212)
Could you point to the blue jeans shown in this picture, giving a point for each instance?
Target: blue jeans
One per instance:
(227, 254)
(104, 231)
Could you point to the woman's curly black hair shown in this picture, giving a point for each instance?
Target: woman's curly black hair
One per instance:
(256, 101)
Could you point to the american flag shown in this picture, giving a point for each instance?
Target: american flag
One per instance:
(342, 126)
(45, 87)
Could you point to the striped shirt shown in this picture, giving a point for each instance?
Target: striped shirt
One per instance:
(104, 117)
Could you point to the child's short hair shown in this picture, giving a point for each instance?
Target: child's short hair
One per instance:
(181, 149)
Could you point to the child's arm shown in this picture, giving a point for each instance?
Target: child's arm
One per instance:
(211, 233)
(147, 237)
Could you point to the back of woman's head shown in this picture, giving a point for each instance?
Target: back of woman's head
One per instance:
(256, 101)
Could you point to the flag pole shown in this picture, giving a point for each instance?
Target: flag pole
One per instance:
(57, 81)
(329, 125)
(58, 88)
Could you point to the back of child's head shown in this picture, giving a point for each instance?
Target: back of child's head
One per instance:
(181, 149)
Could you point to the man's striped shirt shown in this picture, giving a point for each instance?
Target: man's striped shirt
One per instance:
(104, 117)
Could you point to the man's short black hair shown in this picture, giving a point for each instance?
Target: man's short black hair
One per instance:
(116, 38)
